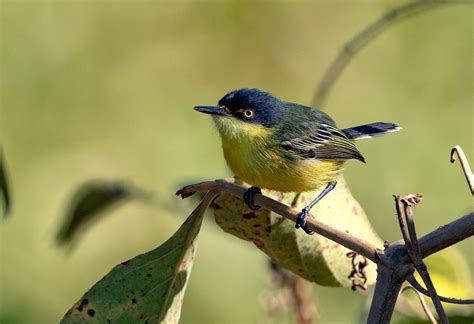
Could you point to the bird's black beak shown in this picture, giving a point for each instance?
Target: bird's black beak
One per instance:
(211, 110)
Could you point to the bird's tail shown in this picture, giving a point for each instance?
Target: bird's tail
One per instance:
(370, 130)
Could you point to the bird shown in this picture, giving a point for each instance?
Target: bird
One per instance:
(283, 146)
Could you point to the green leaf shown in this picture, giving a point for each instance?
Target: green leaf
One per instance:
(4, 188)
(89, 202)
(313, 257)
(148, 288)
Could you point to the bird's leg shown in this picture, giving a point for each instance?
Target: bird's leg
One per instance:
(301, 219)
(249, 195)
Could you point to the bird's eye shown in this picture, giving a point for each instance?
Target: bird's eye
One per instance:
(248, 113)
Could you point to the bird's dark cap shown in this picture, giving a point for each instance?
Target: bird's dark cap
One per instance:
(247, 97)
(267, 109)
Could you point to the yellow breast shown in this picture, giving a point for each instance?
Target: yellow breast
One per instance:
(251, 156)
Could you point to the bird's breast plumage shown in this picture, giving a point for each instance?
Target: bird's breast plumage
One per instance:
(252, 154)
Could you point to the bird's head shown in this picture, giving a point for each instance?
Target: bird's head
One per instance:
(245, 112)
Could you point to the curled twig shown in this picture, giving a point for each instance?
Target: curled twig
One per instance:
(457, 150)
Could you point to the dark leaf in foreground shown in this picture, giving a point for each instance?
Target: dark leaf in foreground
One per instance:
(4, 189)
(148, 288)
(89, 202)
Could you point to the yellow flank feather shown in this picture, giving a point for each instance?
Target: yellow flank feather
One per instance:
(251, 156)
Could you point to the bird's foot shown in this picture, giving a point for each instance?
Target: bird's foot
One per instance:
(249, 196)
(301, 221)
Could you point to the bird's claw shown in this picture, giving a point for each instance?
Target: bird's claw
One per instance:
(301, 222)
(249, 196)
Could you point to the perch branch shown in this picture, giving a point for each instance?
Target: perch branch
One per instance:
(229, 186)
(430, 243)
(457, 150)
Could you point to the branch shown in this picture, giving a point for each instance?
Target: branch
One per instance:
(394, 265)
(390, 277)
(360, 40)
(447, 235)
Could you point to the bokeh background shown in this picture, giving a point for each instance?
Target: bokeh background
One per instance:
(105, 89)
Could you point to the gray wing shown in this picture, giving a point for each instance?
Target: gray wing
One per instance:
(327, 143)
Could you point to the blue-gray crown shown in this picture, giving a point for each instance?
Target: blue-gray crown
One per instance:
(267, 108)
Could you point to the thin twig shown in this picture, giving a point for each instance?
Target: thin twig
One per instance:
(401, 221)
(424, 306)
(360, 40)
(424, 274)
(457, 150)
(414, 251)
(412, 281)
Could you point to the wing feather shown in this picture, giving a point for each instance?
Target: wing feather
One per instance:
(328, 143)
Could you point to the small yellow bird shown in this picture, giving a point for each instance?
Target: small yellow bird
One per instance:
(283, 146)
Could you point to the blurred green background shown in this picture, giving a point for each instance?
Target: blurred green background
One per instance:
(106, 89)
